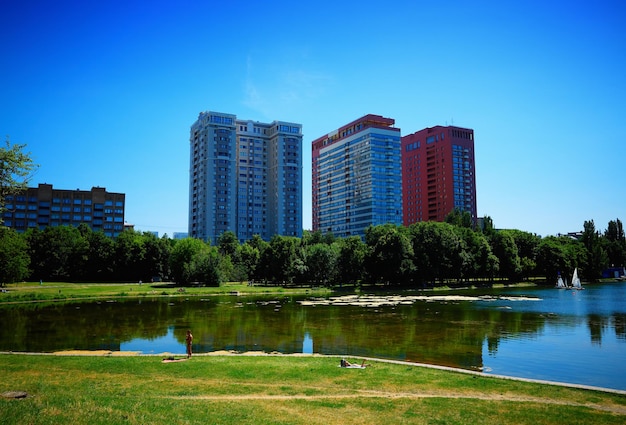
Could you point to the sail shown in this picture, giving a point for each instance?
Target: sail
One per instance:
(560, 283)
(575, 280)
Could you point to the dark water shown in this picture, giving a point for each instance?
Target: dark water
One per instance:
(561, 335)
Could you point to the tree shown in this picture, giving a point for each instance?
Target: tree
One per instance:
(130, 255)
(437, 251)
(156, 255)
(350, 260)
(100, 254)
(248, 261)
(615, 243)
(262, 269)
(182, 258)
(575, 253)
(228, 244)
(193, 260)
(311, 238)
(321, 260)
(597, 257)
(15, 168)
(206, 267)
(504, 247)
(329, 238)
(389, 258)
(57, 253)
(279, 259)
(459, 218)
(478, 258)
(527, 250)
(301, 264)
(558, 255)
(14, 258)
(229, 249)
(488, 229)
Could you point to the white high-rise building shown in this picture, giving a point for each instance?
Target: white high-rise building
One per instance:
(245, 177)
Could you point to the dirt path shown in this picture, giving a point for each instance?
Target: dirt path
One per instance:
(392, 395)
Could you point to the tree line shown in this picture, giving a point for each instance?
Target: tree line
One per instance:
(423, 254)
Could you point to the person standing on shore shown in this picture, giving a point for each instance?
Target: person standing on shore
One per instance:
(189, 340)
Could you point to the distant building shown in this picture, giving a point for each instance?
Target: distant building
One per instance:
(245, 177)
(357, 177)
(438, 174)
(180, 235)
(43, 206)
(614, 273)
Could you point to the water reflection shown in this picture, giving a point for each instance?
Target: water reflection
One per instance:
(307, 344)
(167, 343)
(542, 333)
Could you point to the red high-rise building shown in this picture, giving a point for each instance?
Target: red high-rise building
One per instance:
(438, 174)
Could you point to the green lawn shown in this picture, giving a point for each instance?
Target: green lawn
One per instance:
(55, 291)
(245, 389)
(65, 291)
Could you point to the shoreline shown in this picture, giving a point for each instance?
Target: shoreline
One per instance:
(226, 353)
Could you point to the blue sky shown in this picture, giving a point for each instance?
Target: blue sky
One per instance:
(104, 93)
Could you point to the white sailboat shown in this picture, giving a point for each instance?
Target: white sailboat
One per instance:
(576, 280)
(560, 284)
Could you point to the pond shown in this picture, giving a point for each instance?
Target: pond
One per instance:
(540, 333)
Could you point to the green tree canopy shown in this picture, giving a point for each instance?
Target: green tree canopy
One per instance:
(14, 258)
(389, 258)
(130, 256)
(596, 258)
(460, 218)
(478, 260)
(437, 251)
(15, 169)
(182, 258)
(248, 261)
(100, 255)
(504, 247)
(321, 262)
(228, 244)
(350, 260)
(615, 244)
(558, 255)
(57, 253)
(279, 259)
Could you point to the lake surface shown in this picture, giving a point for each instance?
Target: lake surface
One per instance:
(540, 333)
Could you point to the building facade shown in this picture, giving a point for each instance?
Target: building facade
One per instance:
(245, 177)
(357, 177)
(43, 206)
(438, 174)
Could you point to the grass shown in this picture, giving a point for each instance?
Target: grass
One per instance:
(244, 389)
(64, 291)
(25, 292)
